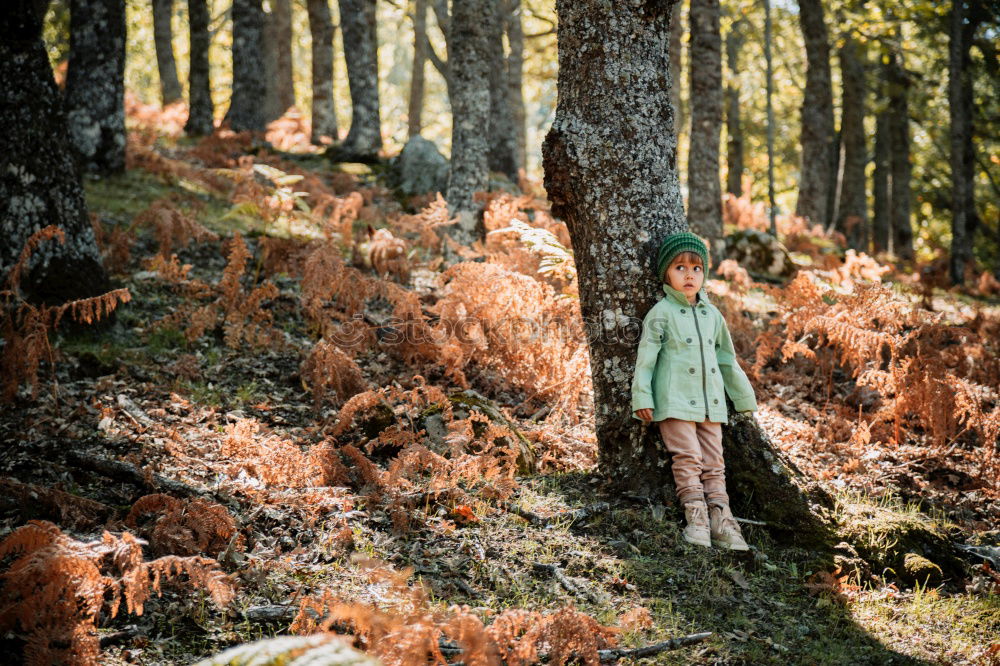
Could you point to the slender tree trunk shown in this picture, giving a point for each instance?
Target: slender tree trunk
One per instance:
(704, 190)
(39, 182)
(515, 77)
(503, 142)
(960, 111)
(357, 21)
(852, 217)
(163, 40)
(469, 54)
(900, 167)
(324, 118)
(734, 132)
(246, 108)
(676, 50)
(881, 192)
(817, 117)
(277, 35)
(282, 13)
(95, 84)
(611, 175)
(200, 109)
(772, 208)
(416, 105)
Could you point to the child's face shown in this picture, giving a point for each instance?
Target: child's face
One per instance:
(686, 276)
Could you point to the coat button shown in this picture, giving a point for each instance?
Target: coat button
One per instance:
(710, 341)
(691, 370)
(713, 371)
(689, 340)
(683, 311)
(703, 312)
(692, 402)
(716, 401)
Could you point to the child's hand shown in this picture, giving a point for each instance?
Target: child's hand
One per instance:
(645, 414)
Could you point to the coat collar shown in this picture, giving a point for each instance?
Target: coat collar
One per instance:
(680, 298)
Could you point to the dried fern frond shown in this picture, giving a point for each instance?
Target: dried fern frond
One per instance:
(54, 588)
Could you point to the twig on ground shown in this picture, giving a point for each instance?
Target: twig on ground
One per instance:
(573, 515)
(750, 521)
(565, 581)
(116, 637)
(615, 654)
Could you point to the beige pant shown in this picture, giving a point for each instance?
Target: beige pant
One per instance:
(696, 448)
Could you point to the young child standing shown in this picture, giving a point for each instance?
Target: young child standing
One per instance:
(685, 366)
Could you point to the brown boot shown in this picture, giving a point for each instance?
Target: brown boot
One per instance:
(724, 528)
(697, 530)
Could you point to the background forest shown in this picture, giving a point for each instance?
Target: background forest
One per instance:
(282, 377)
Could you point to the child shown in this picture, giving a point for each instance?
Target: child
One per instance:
(685, 366)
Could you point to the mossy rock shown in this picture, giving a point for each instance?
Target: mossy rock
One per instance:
(887, 535)
(472, 400)
(919, 570)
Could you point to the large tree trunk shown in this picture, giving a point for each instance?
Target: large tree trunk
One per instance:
(170, 87)
(734, 132)
(515, 76)
(503, 142)
(324, 118)
(39, 182)
(357, 21)
(611, 175)
(900, 168)
(95, 84)
(852, 214)
(704, 190)
(280, 92)
(881, 193)
(200, 110)
(962, 155)
(817, 117)
(469, 54)
(246, 108)
(416, 103)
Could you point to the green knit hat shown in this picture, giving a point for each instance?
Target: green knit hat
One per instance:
(674, 244)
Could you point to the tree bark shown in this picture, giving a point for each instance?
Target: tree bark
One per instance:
(704, 189)
(246, 110)
(357, 21)
(852, 214)
(515, 76)
(817, 117)
(201, 112)
(420, 44)
(280, 92)
(503, 142)
(324, 118)
(962, 155)
(772, 207)
(95, 84)
(676, 50)
(469, 54)
(900, 167)
(881, 193)
(610, 174)
(163, 40)
(734, 132)
(39, 182)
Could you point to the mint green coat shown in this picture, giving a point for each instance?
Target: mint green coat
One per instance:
(686, 363)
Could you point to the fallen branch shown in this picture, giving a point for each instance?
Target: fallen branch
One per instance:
(572, 515)
(129, 473)
(116, 637)
(565, 581)
(615, 654)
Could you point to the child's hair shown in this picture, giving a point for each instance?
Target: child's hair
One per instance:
(692, 257)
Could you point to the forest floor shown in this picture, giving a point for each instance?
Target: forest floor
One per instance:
(226, 415)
